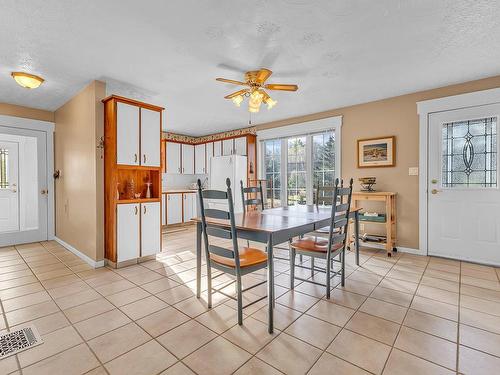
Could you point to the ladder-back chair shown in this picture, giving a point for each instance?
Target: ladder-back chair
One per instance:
(236, 261)
(326, 248)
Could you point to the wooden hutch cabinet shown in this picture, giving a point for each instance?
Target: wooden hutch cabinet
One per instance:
(132, 180)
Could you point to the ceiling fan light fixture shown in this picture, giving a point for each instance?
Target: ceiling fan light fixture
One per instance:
(271, 103)
(26, 80)
(255, 101)
(237, 100)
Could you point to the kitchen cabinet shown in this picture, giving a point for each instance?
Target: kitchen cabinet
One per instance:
(173, 158)
(240, 146)
(150, 147)
(217, 148)
(150, 228)
(227, 147)
(174, 208)
(208, 154)
(187, 163)
(127, 134)
(163, 209)
(127, 231)
(189, 206)
(199, 159)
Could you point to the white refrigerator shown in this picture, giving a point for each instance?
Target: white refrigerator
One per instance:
(233, 167)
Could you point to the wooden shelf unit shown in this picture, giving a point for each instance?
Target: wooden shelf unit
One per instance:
(390, 223)
(116, 175)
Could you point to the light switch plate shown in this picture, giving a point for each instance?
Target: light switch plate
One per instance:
(413, 171)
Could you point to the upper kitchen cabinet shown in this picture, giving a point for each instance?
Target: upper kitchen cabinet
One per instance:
(227, 147)
(150, 147)
(137, 131)
(199, 159)
(127, 134)
(240, 146)
(217, 148)
(187, 159)
(173, 157)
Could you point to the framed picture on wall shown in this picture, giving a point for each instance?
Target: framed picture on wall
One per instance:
(377, 152)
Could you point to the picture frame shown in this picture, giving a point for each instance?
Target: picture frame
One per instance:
(377, 152)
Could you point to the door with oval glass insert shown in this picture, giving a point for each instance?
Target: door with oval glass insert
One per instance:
(463, 192)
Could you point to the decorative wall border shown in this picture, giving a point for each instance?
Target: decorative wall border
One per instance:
(208, 138)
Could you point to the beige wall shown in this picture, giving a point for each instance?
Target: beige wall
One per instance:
(79, 190)
(394, 116)
(26, 112)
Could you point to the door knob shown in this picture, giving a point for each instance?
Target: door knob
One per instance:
(44, 191)
(435, 191)
(14, 188)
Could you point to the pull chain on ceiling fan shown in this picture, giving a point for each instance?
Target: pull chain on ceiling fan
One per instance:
(255, 80)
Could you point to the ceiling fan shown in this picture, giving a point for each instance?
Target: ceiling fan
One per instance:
(255, 80)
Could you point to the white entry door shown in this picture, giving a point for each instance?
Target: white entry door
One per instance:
(9, 186)
(463, 190)
(23, 186)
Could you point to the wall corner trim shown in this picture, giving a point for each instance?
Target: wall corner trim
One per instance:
(90, 261)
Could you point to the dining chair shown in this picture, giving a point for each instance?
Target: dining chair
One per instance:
(235, 261)
(256, 202)
(326, 248)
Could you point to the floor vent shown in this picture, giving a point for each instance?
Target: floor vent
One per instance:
(16, 341)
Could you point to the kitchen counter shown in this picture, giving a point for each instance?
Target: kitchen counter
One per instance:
(173, 191)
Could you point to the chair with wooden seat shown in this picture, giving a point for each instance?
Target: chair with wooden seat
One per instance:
(236, 261)
(326, 248)
(256, 201)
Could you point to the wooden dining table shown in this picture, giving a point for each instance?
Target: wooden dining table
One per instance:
(272, 227)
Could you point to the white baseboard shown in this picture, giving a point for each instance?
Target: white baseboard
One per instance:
(90, 261)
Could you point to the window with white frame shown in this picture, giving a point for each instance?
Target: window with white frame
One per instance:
(294, 166)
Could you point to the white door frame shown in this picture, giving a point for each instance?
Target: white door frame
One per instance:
(48, 128)
(425, 109)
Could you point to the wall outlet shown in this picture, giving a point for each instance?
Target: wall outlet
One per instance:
(413, 171)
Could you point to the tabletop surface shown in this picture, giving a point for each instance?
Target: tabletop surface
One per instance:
(276, 219)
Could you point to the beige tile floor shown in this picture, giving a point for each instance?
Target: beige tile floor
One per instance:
(401, 315)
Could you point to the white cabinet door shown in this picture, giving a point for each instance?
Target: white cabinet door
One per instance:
(174, 208)
(173, 157)
(199, 159)
(187, 159)
(208, 155)
(150, 137)
(127, 232)
(163, 209)
(190, 206)
(227, 147)
(217, 148)
(150, 228)
(127, 134)
(240, 146)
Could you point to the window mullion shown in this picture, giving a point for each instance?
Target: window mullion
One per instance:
(309, 173)
(283, 171)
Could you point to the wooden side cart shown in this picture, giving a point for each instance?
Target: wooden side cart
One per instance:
(390, 221)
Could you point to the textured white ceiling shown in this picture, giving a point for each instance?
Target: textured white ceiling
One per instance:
(169, 52)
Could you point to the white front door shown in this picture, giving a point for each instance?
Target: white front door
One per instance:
(9, 186)
(24, 186)
(463, 190)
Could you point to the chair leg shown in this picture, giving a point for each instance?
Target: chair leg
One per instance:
(312, 266)
(328, 270)
(292, 268)
(209, 285)
(342, 271)
(240, 299)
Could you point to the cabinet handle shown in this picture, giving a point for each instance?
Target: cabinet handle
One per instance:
(144, 157)
(135, 158)
(135, 210)
(144, 209)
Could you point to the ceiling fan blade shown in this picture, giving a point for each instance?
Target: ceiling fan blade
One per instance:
(240, 92)
(230, 81)
(278, 86)
(263, 75)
